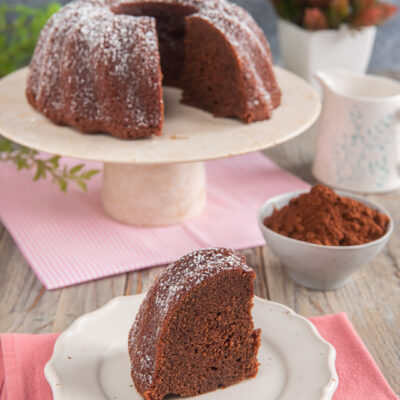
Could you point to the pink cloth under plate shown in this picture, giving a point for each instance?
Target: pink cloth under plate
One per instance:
(23, 357)
(68, 239)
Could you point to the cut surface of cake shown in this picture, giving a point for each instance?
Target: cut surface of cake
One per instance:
(99, 65)
(194, 331)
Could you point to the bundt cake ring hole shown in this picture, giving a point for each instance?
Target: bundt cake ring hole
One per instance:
(188, 61)
(197, 57)
(170, 25)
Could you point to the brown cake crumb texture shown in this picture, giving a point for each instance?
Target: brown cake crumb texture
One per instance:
(99, 65)
(323, 217)
(194, 331)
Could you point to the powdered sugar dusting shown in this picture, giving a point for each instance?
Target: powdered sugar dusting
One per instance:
(249, 43)
(178, 279)
(243, 34)
(85, 49)
(191, 270)
(99, 70)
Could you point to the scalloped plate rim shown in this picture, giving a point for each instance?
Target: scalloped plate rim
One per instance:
(52, 376)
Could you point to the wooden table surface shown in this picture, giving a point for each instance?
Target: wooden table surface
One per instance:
(371, 299)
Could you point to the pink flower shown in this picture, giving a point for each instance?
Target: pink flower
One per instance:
(374, 14)
(314, 19)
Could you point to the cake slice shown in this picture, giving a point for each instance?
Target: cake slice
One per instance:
(228, 65)
(194, 331)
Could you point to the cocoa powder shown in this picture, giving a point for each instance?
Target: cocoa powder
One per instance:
(323, 217)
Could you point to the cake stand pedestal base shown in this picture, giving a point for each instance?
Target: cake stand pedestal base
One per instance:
(155, 194)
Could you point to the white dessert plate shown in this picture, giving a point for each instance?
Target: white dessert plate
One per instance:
(90, 359)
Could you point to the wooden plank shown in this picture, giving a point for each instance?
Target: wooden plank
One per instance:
(25, 304)
(255, 261)
(296, 155)
(371, 299)
(140, 281)
(80, 299)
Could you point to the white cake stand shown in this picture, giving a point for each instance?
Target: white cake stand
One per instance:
(160, 180)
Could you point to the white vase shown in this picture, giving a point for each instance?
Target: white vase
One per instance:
(305, 52)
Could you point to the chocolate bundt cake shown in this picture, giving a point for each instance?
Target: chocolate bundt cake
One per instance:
(194, 331)
(99, 64)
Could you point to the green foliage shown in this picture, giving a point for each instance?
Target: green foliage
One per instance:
(289, 9)
(338, 12)
(20, 26)
(25, 158)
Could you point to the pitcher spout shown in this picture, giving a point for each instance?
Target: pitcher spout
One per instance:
(326, 80)
(357, 86)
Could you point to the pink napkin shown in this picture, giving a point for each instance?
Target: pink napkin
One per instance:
(23, 357)
(67, 238)
(22, 360)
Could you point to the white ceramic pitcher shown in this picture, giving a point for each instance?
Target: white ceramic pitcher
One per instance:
(359, 132)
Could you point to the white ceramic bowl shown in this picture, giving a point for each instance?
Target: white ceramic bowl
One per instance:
(316, 266)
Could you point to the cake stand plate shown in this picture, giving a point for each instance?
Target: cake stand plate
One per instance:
(159, 180)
